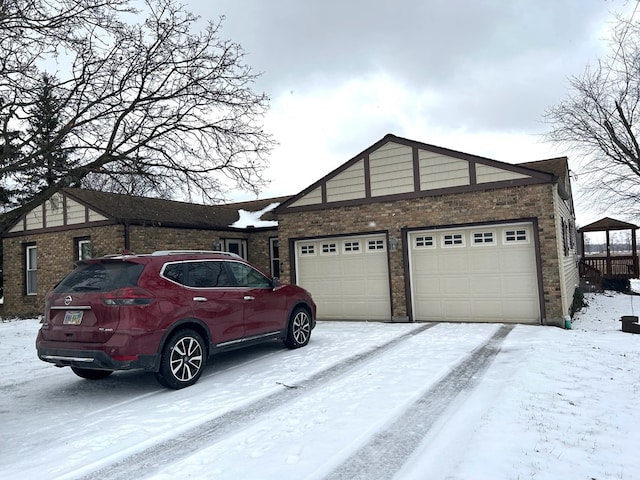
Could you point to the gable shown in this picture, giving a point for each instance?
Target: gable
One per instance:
(58, 211)
(396, 168)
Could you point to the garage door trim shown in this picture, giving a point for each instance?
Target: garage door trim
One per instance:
(406, 232)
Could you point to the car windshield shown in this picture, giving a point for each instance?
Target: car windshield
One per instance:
(101, 277)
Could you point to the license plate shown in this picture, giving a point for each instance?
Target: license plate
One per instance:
(73, 317)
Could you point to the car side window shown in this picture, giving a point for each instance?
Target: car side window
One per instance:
(175, 272)
(246, 276)
(205, 274)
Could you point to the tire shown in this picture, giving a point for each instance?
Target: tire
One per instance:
(91, 374)
(299, 330)
(183, 360)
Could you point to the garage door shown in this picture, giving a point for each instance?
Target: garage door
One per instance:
(481, 274)
(348, 276)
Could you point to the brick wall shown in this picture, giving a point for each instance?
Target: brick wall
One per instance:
(56, 255)
(149, 239)
(486, 206)
(55, 258)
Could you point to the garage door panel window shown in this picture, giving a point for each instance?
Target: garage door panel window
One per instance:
(351, 247)
(512, 236)
(329, 249)
(425, 241)
(375, 246)
(309, 249)
(484, 238)
(452, 240)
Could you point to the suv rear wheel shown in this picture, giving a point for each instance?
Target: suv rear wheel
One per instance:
(183, 359)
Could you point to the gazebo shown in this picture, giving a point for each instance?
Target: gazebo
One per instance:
(612, 267)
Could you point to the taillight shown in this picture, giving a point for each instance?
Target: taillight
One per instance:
(128, 296)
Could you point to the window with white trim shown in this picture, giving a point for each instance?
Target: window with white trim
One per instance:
(453, 240)
(274, 253)
(375, 245)
(351, 247)
(329, 248)
(83, 248)
(307, 249)
(483, 238)
(31, 267)
(425, 241)
(516, 236)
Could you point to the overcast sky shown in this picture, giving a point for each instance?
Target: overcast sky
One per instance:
(470, 75)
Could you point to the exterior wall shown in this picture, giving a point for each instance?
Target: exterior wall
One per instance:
(148, 239)
(569, 273)
(259, 249)
(534, 201)
(55, 258)
(56, 255)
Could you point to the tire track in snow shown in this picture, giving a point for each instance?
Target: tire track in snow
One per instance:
(145, 462)
(388, 450)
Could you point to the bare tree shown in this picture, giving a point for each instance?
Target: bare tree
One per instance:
(158, 103)
(599, 122)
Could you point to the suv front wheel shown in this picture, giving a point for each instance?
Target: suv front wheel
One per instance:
(299, 330)
(183, 359)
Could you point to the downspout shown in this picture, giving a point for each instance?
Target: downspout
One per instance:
(127, 237)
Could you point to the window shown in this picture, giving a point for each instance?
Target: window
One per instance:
(424, 241)
(329, 248)
(274, 250)
(480, 238)
(307, 249)
(352, 247)
(83, 248)
(101, 277)
(248, 277)
(31, 264)
(452, 240)
(237, 246)
(565, 236)
(206, 275)
(375, 245)
(513, 236)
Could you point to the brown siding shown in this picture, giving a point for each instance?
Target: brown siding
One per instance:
(520, 202)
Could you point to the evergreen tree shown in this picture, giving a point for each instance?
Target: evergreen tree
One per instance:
(50, 161)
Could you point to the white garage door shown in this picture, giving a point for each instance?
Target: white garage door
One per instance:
(480, 274)
(348, 276)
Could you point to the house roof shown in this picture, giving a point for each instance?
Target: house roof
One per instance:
(558, 167)
(135, 209)
(607, 223)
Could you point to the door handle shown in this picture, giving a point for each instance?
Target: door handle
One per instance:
(249, 298)
(199, 299)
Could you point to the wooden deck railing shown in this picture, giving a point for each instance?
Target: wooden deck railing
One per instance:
(620, 266)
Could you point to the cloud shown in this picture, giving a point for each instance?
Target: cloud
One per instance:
(474, 76)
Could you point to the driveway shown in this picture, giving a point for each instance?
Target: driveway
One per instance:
(355, 403)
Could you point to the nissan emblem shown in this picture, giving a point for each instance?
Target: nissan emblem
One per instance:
(68, 300)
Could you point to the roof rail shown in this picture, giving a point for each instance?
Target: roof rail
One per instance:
(196, 252)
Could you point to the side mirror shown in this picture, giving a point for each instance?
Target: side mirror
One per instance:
(275, 281)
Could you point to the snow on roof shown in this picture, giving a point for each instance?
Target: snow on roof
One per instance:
(252, 219)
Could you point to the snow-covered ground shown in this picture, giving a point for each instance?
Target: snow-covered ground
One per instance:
(362, 400)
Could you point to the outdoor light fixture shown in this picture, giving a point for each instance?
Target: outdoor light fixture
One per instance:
(217, 245)
(393, 242)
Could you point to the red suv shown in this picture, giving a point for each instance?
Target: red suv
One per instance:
(166, 312)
